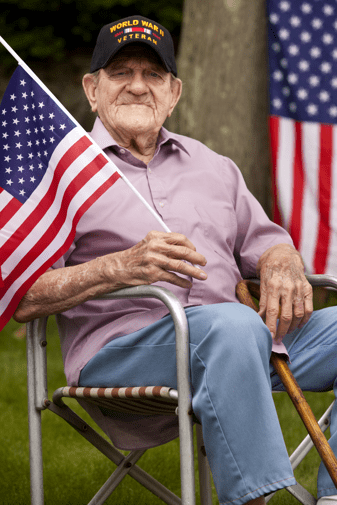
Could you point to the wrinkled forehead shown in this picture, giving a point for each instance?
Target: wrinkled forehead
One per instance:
(136, 53)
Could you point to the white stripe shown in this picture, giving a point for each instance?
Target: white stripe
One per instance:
(310, 218)
(149, 391)
(332, 257)
(135, 392)
(76, 167)
(41, 226)
(285, 168)
(30, 205)
(87, 190)
(5, 198)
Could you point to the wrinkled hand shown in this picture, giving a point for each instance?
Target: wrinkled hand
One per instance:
(285, 291)
(158, 257)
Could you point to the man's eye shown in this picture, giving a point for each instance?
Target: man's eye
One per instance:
(118, 73)
(155, 76)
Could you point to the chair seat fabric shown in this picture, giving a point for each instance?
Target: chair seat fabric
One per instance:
(150, 400)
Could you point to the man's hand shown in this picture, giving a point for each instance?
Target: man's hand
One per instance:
(285, 291)
(158, 257)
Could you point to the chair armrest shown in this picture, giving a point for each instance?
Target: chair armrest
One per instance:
(181, 327)
(323, 280)
(36, 338)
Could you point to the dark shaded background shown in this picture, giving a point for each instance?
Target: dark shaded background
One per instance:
(51, 30)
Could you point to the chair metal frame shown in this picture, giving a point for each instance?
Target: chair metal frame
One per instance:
(38, 401)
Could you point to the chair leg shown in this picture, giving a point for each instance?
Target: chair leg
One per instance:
(126, 464)
(302, 495)
(186, 458)
(204, 470)
(116, 477)
(35, 459)
(35, 439)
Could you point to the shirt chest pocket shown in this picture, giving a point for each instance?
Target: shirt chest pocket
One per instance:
(219, 227)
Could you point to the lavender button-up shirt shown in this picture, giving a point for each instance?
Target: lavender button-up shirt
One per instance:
(196, 192)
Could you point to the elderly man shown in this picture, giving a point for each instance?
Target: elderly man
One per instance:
(220, 233)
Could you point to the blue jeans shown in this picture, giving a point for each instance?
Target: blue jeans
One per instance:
(231, 381)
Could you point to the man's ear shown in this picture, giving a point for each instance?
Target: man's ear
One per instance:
(176, 89)
(89, 83)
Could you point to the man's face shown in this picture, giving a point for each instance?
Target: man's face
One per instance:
(134, 94)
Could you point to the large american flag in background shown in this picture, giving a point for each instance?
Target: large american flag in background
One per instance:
(50, 174)
(303, 104)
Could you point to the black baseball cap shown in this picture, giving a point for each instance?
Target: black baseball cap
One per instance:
(134, 29)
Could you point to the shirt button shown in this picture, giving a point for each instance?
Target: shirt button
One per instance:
(122, 151)
(161, 204)
(150, 171)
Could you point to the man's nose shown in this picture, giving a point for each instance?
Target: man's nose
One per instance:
(137, 84)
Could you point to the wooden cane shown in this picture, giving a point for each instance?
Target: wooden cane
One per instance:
(245, 290)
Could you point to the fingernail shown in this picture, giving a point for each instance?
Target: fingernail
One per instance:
(203, 275)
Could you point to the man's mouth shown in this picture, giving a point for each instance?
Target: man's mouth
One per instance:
(137, 103)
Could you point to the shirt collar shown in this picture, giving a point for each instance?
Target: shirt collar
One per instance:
(103, 138)
(173, 138)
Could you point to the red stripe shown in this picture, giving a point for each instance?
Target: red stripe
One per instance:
(324, 197)
(8, 212)
(72, 189)
(10, 309)
(298, 188)
(274, 131)
(34, 217)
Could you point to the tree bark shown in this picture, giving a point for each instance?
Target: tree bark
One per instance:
(222, 62)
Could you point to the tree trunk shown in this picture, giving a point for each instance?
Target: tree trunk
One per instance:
(223, 65)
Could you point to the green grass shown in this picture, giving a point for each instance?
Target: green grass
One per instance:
(73, 469)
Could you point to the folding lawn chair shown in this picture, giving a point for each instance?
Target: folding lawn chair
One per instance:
(149, 400)
(157, 399)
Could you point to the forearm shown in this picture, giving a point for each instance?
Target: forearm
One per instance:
(158, 257)
(61, 289)
(279, 257)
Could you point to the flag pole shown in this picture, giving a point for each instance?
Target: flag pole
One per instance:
(53, 97)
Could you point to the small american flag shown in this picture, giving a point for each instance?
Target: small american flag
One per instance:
(50, 174)
(303, 104)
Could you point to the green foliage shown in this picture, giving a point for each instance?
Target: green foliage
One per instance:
(38, 30)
